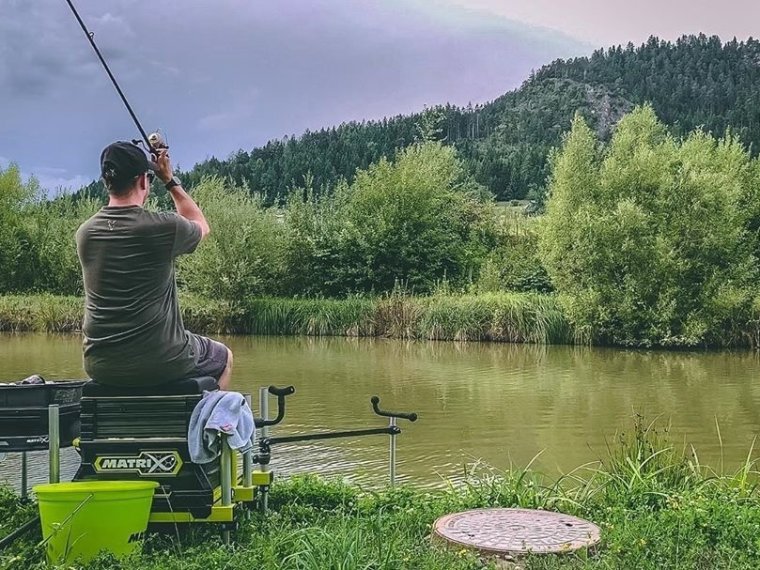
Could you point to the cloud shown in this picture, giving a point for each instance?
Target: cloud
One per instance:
(233, 74)
(52, 181)
(63, 183)
(37, 51)
(613, 22)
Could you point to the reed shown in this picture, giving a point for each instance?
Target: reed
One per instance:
(317, 317)
(504, 317)
(40, 313)
(210, 316)
(488, 316)
(60, 314)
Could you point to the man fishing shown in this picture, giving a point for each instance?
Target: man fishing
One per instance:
(133, 330)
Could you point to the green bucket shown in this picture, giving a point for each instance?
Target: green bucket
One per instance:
(81, 519)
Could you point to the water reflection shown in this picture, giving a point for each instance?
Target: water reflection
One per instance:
(497, 402)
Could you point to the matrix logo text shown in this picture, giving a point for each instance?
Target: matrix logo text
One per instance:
(144, 464)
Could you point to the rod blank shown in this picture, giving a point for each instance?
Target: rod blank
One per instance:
(90, 37)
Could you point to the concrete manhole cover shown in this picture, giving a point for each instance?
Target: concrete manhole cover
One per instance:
(517, 531)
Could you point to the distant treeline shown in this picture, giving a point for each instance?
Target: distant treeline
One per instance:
(648, 239)
(694, 82)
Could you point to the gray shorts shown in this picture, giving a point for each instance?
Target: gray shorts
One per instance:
(211, 357)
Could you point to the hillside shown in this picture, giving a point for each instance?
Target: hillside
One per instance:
(697, 81)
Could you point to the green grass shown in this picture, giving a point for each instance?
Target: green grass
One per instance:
(510, 317)
(59, 314)
(657, 506)
(499, 316)
(506, 317)
(41, 313)
(318, 317)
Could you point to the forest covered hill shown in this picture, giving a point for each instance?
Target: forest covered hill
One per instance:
(694, 82)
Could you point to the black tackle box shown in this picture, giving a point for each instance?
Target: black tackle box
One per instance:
(24, 414)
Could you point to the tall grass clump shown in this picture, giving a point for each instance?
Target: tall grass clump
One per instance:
(62, 314)
(41, 313)
(506, 317)
(212, 316)
(647, 469)
(398, 313)
(318, 317)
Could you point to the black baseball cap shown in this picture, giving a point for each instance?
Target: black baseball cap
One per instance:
(123, 161)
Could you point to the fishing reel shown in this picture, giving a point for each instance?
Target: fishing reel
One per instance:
(157, 141)
(154, 145)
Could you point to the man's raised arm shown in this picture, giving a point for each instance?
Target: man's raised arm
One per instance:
(185, 205)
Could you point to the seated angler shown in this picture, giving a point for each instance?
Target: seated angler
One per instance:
(133, 330)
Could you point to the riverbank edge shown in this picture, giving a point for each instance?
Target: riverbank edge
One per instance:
(656, 505)
(499, 317)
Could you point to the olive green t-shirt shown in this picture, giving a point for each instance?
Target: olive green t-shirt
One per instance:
(133, 330)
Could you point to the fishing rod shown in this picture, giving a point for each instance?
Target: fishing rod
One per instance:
(155, 141)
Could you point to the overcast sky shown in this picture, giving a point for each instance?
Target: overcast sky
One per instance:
(221, 75)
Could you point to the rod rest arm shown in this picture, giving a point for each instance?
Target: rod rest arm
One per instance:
(281, 394)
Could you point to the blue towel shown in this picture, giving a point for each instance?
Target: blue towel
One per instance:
(219, 412)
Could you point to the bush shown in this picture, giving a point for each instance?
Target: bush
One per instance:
(416, 220)
(37, 247)
(16, 196)
(514, 265)
(243, 255)
(647, 240)
(53, 256)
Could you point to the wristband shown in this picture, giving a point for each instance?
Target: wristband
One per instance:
(174, 181)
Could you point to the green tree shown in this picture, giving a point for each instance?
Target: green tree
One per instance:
(52, 257)
(648, 240)
(242, 257)
(417, 220)
(16, 263)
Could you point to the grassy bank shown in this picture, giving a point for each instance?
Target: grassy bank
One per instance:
(502, 317)
(656, 506)
(512, 317)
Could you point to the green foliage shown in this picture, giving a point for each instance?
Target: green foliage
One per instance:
(16, 196)
(52, 258)
(656, 507)
(416, 220)
(37, 250)
(243, 255)
(648, 240)
(514, 263)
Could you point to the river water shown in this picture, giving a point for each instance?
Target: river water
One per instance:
(497, 404)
